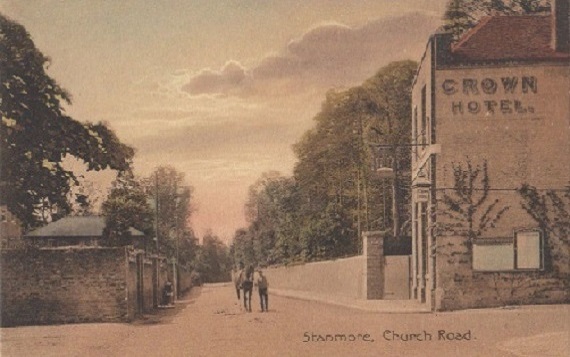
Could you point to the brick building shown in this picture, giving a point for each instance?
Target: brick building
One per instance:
(76, 231)
(495, 103)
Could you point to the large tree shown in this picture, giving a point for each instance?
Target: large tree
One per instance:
(37, 135)
(335, 159)
(387, 104)
(213, 261)
(126, 207)
(271, 211)
(333, 195)
(171, 201)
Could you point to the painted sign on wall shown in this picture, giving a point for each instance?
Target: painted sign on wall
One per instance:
(502, 95)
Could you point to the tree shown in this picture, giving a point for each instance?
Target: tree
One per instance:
(242, 248)
(321, 211)
(270, 214)
(329, 176)
(37, 135)
(462, 15)
(126, 207)
(213, 261)
(387, 102)
(171, 198)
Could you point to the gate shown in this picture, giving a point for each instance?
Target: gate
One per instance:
(397, 277)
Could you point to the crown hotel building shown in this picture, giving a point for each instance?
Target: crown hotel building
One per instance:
(498, 97)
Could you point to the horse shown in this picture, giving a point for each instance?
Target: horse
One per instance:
(247, 286)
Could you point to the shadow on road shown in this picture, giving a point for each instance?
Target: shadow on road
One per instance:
(165, 315)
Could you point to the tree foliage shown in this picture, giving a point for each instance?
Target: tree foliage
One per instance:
(37, 135)
(388, 105)
(171, 200)
(213, 262)
(321, 211)
(462, 15)
(126, 207)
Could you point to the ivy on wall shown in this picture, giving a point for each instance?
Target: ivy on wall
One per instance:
(469, 210)
(551, 211)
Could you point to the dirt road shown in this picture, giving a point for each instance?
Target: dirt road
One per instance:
(210, 322)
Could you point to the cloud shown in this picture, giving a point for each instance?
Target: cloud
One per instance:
(231, 76)
(327, 55)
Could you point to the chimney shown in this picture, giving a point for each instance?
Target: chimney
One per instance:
(560, 27)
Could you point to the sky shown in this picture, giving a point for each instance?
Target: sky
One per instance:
(218, 89)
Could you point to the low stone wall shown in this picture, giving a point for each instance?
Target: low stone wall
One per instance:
(343, 277)
(64, 286)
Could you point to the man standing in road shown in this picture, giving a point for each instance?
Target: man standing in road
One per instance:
(262, 286)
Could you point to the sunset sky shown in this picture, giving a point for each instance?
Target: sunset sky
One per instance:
(218, 89)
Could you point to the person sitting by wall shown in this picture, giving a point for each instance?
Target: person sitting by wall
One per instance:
(168, 294)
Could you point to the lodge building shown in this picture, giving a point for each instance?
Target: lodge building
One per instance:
(495, 104)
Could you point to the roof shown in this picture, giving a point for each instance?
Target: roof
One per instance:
(508, 38)
(76, 226)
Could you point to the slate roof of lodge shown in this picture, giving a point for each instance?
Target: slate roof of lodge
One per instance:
(76, 226)
(500, 38)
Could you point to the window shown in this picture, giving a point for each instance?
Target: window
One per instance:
(424, 117)
(524, 251)
(493, 256)
(415, 126)
(528, 248)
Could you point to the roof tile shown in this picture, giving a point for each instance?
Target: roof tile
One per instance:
(508, 38)
(75, 226)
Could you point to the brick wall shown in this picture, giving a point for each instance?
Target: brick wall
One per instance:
(64, 286)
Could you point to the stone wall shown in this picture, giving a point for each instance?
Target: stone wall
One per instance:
(132, 292)
(64, 286)
(460, 287)
(147, 286)
(373, 249)
(343, 277)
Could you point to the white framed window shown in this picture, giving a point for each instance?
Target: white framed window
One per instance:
(529, 253)
(494, 254)
(523, 251)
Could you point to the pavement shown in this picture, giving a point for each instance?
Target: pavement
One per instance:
(382, 306)
(547, 344)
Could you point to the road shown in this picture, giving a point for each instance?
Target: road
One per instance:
(210, 322)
